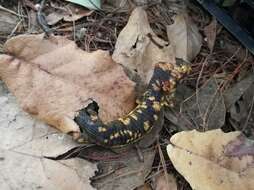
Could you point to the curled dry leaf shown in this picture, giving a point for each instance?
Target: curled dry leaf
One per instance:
(68, 13)
(183, 34)
(138, 48)
(213, 160)
(52, 79)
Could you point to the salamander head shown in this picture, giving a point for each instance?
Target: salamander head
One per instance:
(167, 74)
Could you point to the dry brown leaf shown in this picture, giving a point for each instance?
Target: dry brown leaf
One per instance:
(211, 31)
(8, 22)
(121, 6)
(24, 141)
(138, 48)
(165, 183)
(52, 79)
(185, 37)
(68, 13)
(211, 161)
(144, 187)
(126, 172)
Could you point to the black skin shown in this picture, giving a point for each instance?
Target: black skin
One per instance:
(132, 127)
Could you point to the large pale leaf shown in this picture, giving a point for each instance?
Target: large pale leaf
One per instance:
(185, 37)
(138, 48)
(24, 141)
(52, 79)
(213, 160)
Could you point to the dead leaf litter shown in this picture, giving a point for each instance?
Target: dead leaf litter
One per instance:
(52, 78)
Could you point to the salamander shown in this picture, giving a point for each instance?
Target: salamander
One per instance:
(133, 126)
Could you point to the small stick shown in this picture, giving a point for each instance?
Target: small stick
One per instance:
(41, 19)
(10, 11)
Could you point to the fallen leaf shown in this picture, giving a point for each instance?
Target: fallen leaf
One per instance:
(144, 187)
(68, 13)
(138, 48)
(8, 22)
(121, 6)
(183, 34)
(53, 79)
(234, 93)
(24, 141)
(212, 160)
(174, 114)
(126, 173)
(90, 4)
(206, 109)
(239, 101)
(210, 32)
(228, 3)
(165, 183)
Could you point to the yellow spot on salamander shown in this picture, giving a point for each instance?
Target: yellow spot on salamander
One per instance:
(102, 129)
(116, 135)
(155, 87)
(130, 133)
(172, 82)
(125, 121)
(134, 117)
(164, 103)
(111, 137)
(139, 111)
(155, 117)
(121, 133)
(143, 106)
(152, 98)
(156, 106)
(146, 126)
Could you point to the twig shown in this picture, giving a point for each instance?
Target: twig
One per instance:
(249, 114)
(197, 84)
(12, 12)
(237, 69)
(163, 163)
(14, 29)
(41, 19)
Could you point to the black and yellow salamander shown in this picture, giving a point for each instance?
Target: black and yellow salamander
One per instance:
(139, 122)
